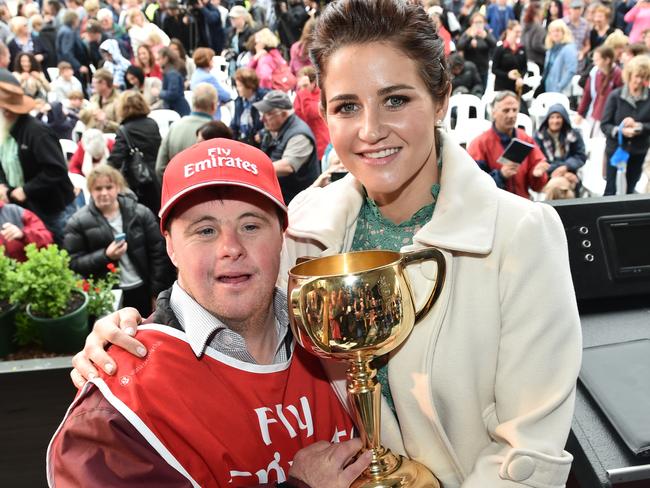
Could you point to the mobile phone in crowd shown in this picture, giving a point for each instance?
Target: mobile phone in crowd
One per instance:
(120, 237)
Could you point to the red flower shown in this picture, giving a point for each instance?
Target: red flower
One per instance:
(85, 286)
(111, 267)
(97, 290)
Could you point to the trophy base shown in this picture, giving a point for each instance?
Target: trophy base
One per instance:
(409, 474)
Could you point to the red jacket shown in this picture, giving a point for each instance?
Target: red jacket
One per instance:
(213, 419)
(487, 148)
(306, 106)
(602, 91)
(33, 228)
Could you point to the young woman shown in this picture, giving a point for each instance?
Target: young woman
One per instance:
(561, 61)
(601, 27)
(173, 87)
(476, 44)
(509, 61)
(140, 29)
(144, 59)
(604, 77)
(90, 239)
(148, 87)
(534, 35)
(477, 386)
(554, 11)
(187, 65)
(28, 72)
(299, 53)
(267, 57)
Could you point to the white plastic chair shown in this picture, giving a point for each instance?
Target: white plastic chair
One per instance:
(576, 89)
(164, 118)
(469, 130)
(463, 103)
(189, 94)
(642, 184)
(532, 79)
(69, 147)
(540, 105)
(525, 122)
(591, 173)
(78, 130)
(219, 68)
(532, 69)
(227, 112)
(53, 73)
(79, 181)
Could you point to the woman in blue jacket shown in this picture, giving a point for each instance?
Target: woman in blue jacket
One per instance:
(561, 61)
(173, 89)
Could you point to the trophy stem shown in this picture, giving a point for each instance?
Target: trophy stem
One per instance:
(364, 393)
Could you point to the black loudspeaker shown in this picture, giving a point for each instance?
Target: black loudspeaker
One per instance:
(609, 245)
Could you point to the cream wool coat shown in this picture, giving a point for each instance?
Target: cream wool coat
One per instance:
(484, 386)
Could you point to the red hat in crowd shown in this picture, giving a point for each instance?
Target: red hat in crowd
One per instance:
(219, 162)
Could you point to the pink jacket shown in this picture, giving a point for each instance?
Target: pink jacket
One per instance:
(639, 17)
(298, 61)
(265, 66)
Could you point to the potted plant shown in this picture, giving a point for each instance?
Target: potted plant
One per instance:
(7, 307)
(99, 291)
(57, 308)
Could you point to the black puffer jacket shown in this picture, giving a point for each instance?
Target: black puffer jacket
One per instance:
(88, 234)
(144, 134)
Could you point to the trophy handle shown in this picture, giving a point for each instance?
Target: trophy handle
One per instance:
(430, 253)
(304, 259)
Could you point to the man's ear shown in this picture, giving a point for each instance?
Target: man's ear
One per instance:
(170, 248)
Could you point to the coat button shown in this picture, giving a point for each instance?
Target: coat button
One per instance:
(521, 469)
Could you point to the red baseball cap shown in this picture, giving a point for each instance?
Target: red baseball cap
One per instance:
(219, 162)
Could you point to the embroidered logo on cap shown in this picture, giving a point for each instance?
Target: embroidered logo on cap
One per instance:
(219, 157)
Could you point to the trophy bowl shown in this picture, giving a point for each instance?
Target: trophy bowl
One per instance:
(354, 307)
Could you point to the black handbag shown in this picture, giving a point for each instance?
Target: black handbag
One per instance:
(134, 167)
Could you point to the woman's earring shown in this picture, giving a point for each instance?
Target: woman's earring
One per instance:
(440, 124)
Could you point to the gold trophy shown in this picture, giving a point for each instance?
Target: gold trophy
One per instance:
(355, 307)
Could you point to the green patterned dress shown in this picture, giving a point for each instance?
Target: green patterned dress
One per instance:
(376, 232)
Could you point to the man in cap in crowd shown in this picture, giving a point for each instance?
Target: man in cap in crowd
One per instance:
(289, 142)
(224, 397)
(579, 27)
(33, 170)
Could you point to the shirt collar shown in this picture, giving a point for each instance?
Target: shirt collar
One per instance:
(201, 326)
(202, 114)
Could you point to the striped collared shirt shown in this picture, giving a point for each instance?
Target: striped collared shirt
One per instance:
(205, 330)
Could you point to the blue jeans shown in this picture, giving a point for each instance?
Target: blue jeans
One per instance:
(55, 222)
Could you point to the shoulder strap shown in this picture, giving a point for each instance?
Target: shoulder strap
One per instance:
(122, 130)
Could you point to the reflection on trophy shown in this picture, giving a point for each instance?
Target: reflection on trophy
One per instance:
(354, 307)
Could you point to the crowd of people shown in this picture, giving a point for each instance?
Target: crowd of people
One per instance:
(310, 91)
(165, 50)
